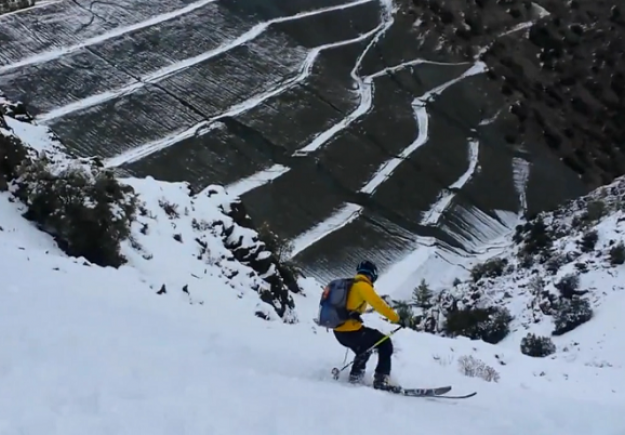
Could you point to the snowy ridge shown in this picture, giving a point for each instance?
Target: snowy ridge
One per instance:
(179, 242)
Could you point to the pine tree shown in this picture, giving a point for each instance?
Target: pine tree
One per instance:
(422, 296)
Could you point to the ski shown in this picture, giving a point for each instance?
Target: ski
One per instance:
(435, 393)
(417, 392)
(425, 391)
(464, 396)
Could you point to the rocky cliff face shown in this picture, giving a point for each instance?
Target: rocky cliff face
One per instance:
(562, 77)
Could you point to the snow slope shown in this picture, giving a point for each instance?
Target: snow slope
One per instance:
(528, 283)
(95, 350)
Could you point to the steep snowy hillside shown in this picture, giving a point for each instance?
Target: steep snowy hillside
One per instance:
(560, 274)
(147, 225)
(104, 350)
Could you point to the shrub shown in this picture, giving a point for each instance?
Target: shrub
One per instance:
(540, 347)
(278, 245)
(422, 296)
(568, 285)
(535, 235)
(12, 154)
(488, 324)
(536, 285)
(617, 254)
(555, 262)
(489, 269)
(475, 368)
(405, 312)
(82, 205)
(85, 208)
(595, 210)
(589, 240)
(570, 314)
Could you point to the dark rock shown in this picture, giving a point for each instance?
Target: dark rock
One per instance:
(257, 256)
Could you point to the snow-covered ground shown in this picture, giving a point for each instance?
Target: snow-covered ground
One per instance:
(95, 350)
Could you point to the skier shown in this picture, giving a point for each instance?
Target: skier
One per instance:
(357, 337)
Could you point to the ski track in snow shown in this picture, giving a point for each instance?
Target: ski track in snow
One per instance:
(345, 215)
(432, 216)
(520, 174)
(255, 180)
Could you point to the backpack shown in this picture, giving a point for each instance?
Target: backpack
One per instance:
(333, 304)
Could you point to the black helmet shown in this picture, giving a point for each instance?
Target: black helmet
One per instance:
(368, 268)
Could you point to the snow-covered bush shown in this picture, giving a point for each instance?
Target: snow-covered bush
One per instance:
(568, 286)
(12, 154)
(534, 236)
(617, 254)
(570, 314)
(84, 208)
(80, 204)
(405, 312)
(536, 346)
(589, 240)
(595, 210)
(476, 368)
(488, 324)
(489, 269)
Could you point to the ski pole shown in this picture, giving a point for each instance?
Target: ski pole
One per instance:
(336, 371)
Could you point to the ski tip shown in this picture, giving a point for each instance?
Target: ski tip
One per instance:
(464, 396)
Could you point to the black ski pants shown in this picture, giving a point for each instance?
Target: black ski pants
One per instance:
(361, 340)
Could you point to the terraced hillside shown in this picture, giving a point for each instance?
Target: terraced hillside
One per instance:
(333, 125)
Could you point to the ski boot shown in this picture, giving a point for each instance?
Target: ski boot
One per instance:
(381, 382)
(356, 378)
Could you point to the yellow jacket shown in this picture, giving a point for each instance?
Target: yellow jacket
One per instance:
(360, 296)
